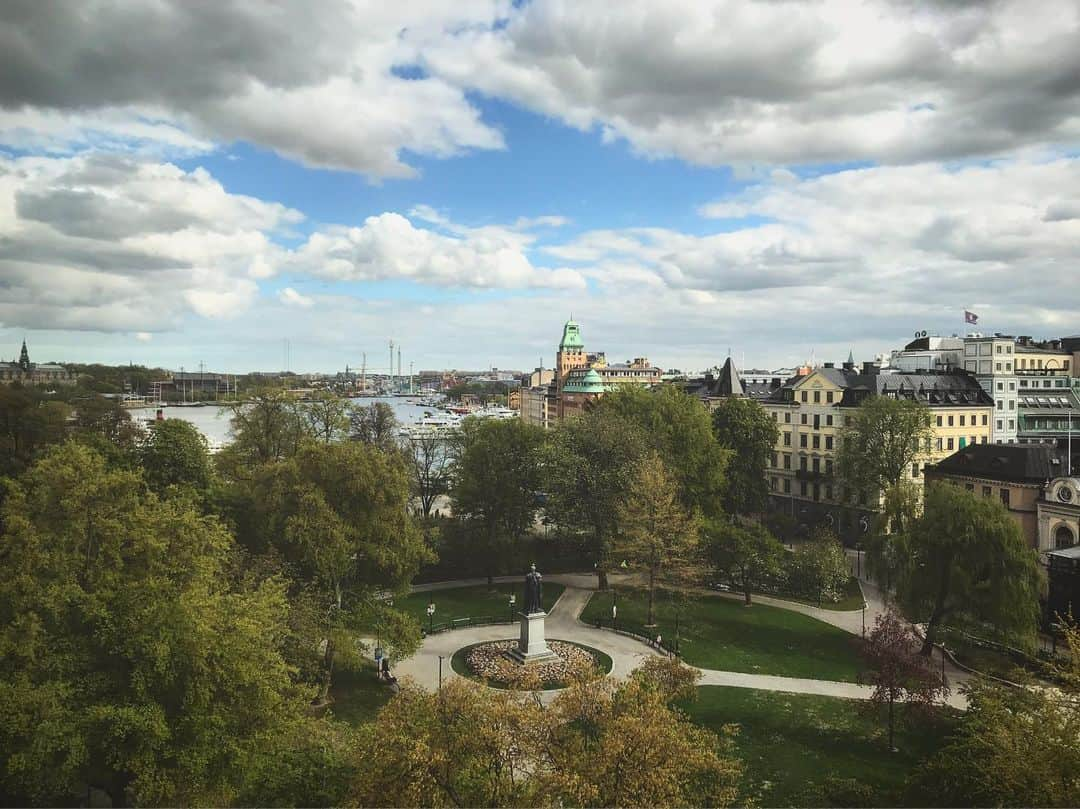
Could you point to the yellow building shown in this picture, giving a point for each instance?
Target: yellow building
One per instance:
(811, 411)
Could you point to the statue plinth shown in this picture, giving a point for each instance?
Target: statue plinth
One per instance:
(532, 645)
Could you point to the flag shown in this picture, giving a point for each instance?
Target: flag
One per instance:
(970, 317)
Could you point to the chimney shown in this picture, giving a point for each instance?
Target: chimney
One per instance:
(870, 368)
(775, 383)
(1024, 340)
(829, 365)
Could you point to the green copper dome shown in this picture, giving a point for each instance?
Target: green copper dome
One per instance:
(571, 338)
(590, 383)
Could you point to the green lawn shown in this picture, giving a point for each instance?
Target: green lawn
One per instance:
(472, 602)
(358, 695)
(796, 746)
(721, 633)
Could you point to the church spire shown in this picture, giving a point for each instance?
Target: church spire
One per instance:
(24, 357)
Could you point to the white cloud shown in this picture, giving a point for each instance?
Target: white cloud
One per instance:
(290, 297)
(144, 336)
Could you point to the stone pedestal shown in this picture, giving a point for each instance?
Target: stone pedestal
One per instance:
(532, 645)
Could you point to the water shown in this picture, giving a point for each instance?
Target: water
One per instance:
(213, 421)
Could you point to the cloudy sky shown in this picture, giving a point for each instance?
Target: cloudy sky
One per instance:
(190, 182)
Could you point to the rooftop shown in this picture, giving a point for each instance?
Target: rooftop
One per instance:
(1017, 463)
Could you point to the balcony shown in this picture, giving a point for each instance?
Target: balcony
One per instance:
(809, 474)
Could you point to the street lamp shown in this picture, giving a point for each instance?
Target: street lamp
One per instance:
(614, 612)
(864, 620)
(513, 601)
(431, 616)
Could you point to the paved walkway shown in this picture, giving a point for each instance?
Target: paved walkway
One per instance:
(627, 653)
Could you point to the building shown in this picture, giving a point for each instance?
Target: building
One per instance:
(535, 405)
(994, 363)
(726, 381)
(1017, 474)
(811, 410)
(581, 376)
(33, 373)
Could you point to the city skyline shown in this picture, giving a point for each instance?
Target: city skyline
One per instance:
(777, 181)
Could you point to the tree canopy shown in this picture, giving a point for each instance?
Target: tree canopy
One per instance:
(750, 432)
(123, 664)
(175, 453)
(747, 552)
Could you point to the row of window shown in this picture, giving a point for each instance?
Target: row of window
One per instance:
(1036, 364)
(804, 418)
(815, 463)
(963, 420)
(817, 396)
(951, 444)
(987, 491)
(777, 485)
(1059, 382)
(815, 443)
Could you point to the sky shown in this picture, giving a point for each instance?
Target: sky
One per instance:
(251, 185)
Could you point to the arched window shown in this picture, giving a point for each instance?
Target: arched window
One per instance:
(1063, 537)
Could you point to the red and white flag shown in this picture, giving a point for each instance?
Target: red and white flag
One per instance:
(970, 317)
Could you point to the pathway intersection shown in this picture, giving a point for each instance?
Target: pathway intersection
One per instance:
(627, 653)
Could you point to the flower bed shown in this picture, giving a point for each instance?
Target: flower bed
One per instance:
(491, 662)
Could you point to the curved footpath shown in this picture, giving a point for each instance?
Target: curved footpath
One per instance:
(627, 653)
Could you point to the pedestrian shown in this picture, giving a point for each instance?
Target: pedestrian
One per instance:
(659, 642)
(386, 668)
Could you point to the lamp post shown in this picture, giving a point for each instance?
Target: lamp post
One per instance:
(614, 611)
(864, 620)
(513, 601)
(431, 616)
(440, 672)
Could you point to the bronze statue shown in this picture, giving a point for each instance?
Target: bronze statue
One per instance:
(534, 591)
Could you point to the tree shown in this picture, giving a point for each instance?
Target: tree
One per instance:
(819, 568)
(897, 672)
(589, 466)
(129, 660)
(879, 443)
(106, 425)
(965, 560)
(657, 529)
(376, 425)
(426, 457)
(327, 416)
(748, 552)
(678, 428)
(266, 428)
(745, 428)
(27, 425)
(175, 453)
(600, 743)
(1012, 747)
(496, 477)
(337, 514)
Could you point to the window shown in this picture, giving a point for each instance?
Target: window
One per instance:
(997, 367)
(973, 440)
(939, 421)
(817, 442)
(787, 418)
(1012, 404)
(775, 460)
(1012, 424)
(963, 442)
(1008, 367)
(817, 422)
(937, 444)
(802, 440)
(962, 420)
(817, 465)
(1012, 386)
(982, 439)
(949, 445)
(787, 439)
(802, 463)
(817, 397)
(1005, 497)
(787, 486)
(915, 470)
(828, 442)
(998, 348)
(787, 460)
(1000, 404)
(984, 418)
(828, 491)
(774, 484)
(986, 491)
(828, 420)
(803, 419)
(776, 416)
(803, 396)
(969, 486)
(802, 488)
(1001, 386)
(1000, 424)
(829, 396)
(828, 466)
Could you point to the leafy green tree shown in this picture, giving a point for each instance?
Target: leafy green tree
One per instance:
(747, 552)
(745, 428)
(28, 423)
(376, 425)
(657, 530)
(327, 416)
(964, 560)
(678, 428)
(819, 568)
(880, 441)
(337, 514)
(266, 428)
(589, 466)
(129, 662)
(175, 453)
(1012, 746)
(496, 477)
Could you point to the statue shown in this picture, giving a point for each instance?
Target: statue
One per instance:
(534, 591)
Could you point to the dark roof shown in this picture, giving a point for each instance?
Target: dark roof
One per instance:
(729, 383)
(1017, 463)
(954, 389)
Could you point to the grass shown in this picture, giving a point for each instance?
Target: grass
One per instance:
(794, 745)
(472, 602)
(721, 633)
(358, 695)
(852, 598)
(458, 664)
